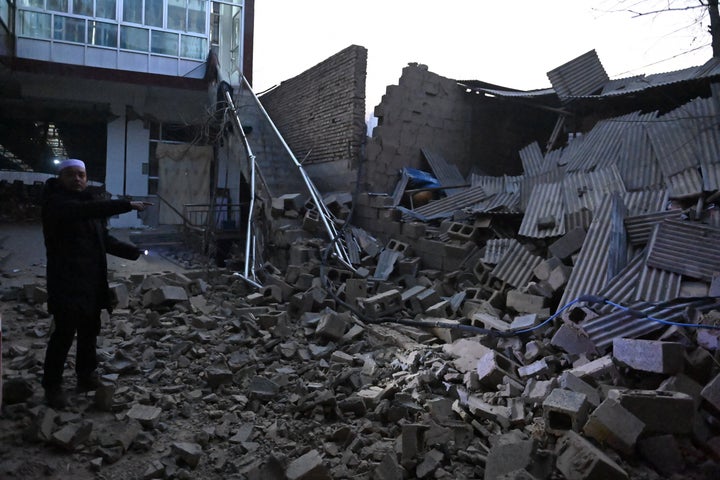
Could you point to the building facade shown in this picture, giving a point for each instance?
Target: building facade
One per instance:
(123, 85)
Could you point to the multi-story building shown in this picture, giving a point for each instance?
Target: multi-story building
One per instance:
(121, 84)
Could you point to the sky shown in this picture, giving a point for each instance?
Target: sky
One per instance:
(508, 43)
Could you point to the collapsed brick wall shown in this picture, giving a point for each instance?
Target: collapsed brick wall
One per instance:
(321, 115)
(474, 132)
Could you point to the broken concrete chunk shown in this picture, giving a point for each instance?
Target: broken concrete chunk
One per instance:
(611, 424)
(650, 355)
(579, 459)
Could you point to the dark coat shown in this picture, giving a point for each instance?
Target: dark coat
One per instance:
(77, 241)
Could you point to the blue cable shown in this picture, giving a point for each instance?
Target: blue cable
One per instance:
(598, 299)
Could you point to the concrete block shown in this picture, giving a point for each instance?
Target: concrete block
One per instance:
(506, 457)
(662, 412)
(663, 453)
(413, 230)
(331, 327)
(381, 304)
(308, 465)
(355, 288)
(569, 381)
(411, 444)
(492, 367)
(559, 277)
(568, 244)
(312, 222)
(428, 298)
(711, 392)
(650, 355)
(600, 369)
(524, 303)
(611, 424)
(572, 340)
(578, 459)
(536, 391)
(543, 269)
(535, 369)
(565, 410)
(119, 295)
(164, 296)
(463, 232)
(684, 384)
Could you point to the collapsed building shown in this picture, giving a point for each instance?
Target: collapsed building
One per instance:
(541, 262)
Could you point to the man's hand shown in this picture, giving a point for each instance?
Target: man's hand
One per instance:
(140, 206)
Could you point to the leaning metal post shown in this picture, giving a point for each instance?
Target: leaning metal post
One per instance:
(325, 214)
(249, 257)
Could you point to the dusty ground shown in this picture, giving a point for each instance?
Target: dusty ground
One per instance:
(22, 262)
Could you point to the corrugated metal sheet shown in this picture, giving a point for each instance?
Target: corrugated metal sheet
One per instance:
(673, 140)
(501, 203)
(685, 184)
(528, 184)
(516, 266)
(586, 190)
(637, 163)
(622, 287)
(656, 285)
(446, 206)
(446, 173)
(592, 269)
(582, 76)
(706, 111)
(495, 249)
(490, 185)
(545, 201)
(687, 248)
(600, 147)
(533, 161)
(640, 227)
(710, 176)
(640, 203)
(622, 324)
(581, 219)
(400, 187)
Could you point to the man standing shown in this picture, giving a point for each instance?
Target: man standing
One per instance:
(76, 242)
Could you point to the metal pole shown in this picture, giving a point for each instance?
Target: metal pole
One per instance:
(342, 255)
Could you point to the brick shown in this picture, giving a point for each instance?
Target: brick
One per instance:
(578, 459)
(565, 410)
(650, 355)
(662, 412)
(611, 424)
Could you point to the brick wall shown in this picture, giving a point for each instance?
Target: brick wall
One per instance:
(321, 115)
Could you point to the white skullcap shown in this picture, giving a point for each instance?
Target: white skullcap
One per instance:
(71, 162)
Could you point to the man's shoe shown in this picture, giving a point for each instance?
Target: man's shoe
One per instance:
(87, 384)
(56, 398)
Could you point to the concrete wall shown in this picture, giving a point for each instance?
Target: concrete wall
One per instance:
(474, 132)
(424, 110)
(321, 115)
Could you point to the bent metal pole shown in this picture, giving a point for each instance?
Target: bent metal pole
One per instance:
(249, 258)
(324, 213)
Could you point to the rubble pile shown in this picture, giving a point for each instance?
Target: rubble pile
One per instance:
(389, 370)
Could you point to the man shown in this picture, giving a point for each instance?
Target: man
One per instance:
(76, 242)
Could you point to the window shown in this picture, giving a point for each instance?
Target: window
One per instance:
(196, 16)
(102, 34)
(193, 47)
(132, 11)
(82, 7)
(34, 24)
(164, 43)
(176, 15)
(57, 5)
(105, 9)
(69, 29)
(153, 13)
(32, 3)
(133, 38)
